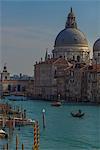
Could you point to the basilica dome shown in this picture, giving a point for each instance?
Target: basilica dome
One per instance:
(70, 37)
(96, 46)
(71, 43)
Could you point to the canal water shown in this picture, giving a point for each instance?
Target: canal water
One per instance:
(62, 132)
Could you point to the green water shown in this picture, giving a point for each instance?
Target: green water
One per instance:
(62, 132)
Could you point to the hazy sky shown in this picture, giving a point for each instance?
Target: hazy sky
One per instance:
(28, 27)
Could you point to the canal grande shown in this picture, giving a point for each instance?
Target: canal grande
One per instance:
(62, 132)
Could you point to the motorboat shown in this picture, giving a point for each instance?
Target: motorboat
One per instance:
(79, 115)
(3, 134)
(56, 103)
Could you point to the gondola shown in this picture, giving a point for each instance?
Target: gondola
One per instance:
(79, 115)
(3, 134)
(56, 104)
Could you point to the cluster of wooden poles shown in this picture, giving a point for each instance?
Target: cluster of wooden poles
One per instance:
(35, 142)
(6, 147)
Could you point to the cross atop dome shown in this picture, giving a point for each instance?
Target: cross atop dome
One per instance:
(71, 9)
(71, 22)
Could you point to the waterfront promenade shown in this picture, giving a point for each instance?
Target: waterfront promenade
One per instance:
(62, 132)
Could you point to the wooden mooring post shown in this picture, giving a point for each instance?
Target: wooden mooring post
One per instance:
(36, 136)
(5, 147)
(17, 142)
(43, 118)
(22, 146)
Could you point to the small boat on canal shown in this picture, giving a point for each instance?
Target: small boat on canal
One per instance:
(23, 122)
(16, 122)
(79, 114)
(3, 134)
(56, 104)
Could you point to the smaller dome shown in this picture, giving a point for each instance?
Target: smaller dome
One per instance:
(96, 46)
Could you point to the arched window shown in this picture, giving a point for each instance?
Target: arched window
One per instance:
(23, 88)
(78, 58)
(5, 77)
(9, 87)
(73, 57)
(98, 54)
(18, 87)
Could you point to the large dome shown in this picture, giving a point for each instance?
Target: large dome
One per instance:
(96, 46)
(71, 43)
(70, 37)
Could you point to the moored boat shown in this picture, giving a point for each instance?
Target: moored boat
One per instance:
(3, 134)
(56, 103)
(22, 122)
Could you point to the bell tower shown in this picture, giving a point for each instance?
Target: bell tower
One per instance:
(5, 75)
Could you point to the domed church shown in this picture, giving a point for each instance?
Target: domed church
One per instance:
(69, 73)
(71, 43)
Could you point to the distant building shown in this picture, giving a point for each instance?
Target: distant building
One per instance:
(16, 84)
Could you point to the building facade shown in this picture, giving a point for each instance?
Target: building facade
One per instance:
(44, 77)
